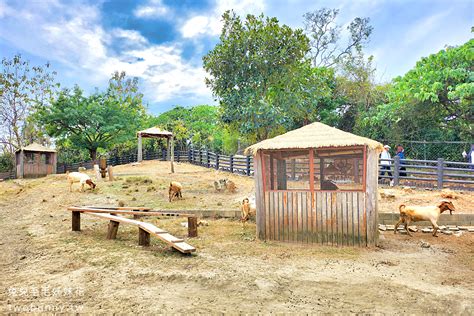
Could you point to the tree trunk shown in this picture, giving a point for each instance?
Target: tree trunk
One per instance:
(93, 154)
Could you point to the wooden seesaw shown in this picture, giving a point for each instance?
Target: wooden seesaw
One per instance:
(144, 229)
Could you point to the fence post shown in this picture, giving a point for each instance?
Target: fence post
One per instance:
(248, 165)
(208, 162)
(217, 161)
(163, 155)
(231, 163)
(190, 151)
(177, 156)
(200, 157)
(440, 172)
(396, 170)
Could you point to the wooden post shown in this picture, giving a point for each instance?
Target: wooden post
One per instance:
(281, 174)
(440, 174)
(22, 164)
(231, 163)
(172, 153)
(76, 221)
(396, 170)
(217, 161)
(259, 195)
(192, 226)
(293, 169)
(110, 171)
(98, 177)
(143, 237)
(168, 149)
(248, 165)
(190, 151)
(208, 161)
(113, 228)
(140, 152)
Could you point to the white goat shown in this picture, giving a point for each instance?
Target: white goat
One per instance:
(423, 213)
(82, 178)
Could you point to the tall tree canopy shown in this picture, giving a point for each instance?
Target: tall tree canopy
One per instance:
(325, 35)
(22, 87)
(97, 121)
(433, 101)
(198, 125)
(251, 70)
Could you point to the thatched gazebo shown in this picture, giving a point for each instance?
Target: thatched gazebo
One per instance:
(156, 132)
(317, 184)
(34, 161)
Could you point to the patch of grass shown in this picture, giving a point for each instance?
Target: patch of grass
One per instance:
(139, 180)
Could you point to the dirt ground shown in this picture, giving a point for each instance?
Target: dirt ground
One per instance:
(45, 267)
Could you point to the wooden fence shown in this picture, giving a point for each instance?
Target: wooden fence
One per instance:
(409, 172)
(427, 173)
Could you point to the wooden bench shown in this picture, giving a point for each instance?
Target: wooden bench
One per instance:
(144, 229)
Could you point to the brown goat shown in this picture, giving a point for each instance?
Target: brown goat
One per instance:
(423, 213)
(175, 190)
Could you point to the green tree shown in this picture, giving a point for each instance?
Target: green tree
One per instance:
(326, 47)
(97, 121)
(22, 88)
(198, 125)
(251, 71)
(433, 101)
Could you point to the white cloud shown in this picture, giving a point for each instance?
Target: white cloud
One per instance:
(154, 9)
(201, 25)
(78, 41)
(5, 9)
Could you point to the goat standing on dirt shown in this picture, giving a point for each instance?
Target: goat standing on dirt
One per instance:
(423, 213)
(80, 177)
(175, 190)
(247, 208)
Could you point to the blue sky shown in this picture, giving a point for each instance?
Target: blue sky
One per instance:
(162, 41)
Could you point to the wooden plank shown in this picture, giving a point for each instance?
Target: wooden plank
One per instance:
(285, 216)
(290, 216)
(295, 216)
(343, 218)
(260, 198)
(281, 231)
(149, 228)
(338, 220)
(306, 215)
(333, 217)
(85, 209)
(372, 197)
(271, 217)
(267, 215)
(304, 212)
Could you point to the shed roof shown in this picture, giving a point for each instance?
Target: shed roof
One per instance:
(37, 147)
(154, 132)
(315, 135)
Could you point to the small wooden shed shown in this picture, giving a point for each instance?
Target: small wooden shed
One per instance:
(317, 184)
(35, 161)
(156, 132)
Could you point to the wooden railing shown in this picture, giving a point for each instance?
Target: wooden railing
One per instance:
(408, 172)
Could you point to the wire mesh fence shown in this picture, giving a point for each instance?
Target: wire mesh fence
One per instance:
(431, 150)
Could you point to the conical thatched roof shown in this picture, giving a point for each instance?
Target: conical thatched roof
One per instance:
(315, 135)
(154, 132)
(37, 147)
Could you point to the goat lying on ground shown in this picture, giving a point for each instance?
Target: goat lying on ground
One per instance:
(225, 184)
(175, 190)
(423, 213)
(80, 177)
(247, 208)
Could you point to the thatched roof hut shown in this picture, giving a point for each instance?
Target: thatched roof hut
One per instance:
(317, 184)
